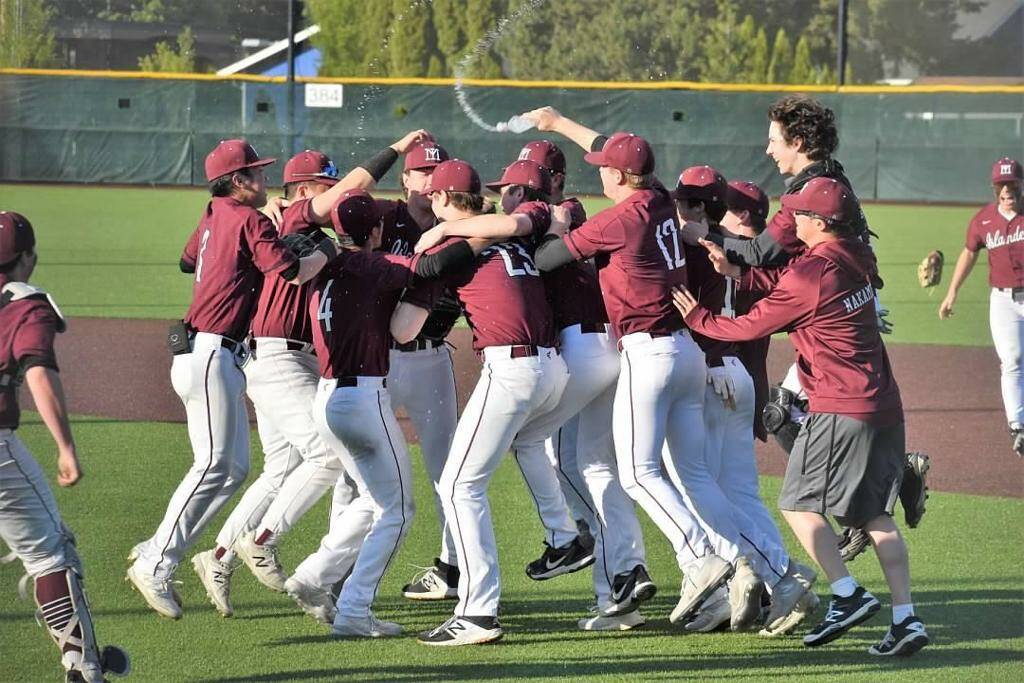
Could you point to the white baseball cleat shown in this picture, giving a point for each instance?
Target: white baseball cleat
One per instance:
(786, 595)
(216, 579)
(617, 622)
(315, 601)
(745, 592)
(805, 607)
(158, 593)
(369, 626)
(262, 561)
(702, 577)
(715, 612)
(462, 631)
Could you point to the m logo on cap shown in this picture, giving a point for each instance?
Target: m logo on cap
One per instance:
(432, 154)
(524, 154)
(1006, 169)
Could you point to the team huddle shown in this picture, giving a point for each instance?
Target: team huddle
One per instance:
(624, 364)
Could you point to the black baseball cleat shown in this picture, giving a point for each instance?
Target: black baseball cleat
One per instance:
(571, 557)
(629, 590)
(843, 614)
(914, 489)
(852, 542)
(438, 582)
(902, 640)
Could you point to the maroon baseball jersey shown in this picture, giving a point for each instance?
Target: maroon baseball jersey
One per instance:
(350, 307)
(502, 295)
(716, 293)
(1004, 240)
(27, 329)
(232, 248)
(825, 300)
(281, 308)
(572, 290)
(639, 256)
(400, 230)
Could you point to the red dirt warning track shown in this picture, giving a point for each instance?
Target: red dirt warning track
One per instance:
(120, 369)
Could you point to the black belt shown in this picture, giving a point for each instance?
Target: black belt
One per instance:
(290, 344)
(524, 351)
(233, 346)
(354, 381)
(593, 328)
(419, 344)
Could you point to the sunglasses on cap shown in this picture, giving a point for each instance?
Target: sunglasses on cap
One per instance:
(328, 171)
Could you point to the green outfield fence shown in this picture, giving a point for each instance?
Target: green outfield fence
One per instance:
(916, 143)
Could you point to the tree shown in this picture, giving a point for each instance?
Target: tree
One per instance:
(802, 71)
(450, 28)
(413, 42)
(340, 37)
(479, 57)
(730, 46)
(781, 63)
(26, 40)
(166, 58)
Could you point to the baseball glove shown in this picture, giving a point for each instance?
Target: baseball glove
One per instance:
(301, 244)
(852, 543)
(929, 271)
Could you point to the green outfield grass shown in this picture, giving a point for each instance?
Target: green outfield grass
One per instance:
(113, 252)
(968, 580)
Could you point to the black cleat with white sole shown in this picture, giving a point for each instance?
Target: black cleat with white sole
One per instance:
(902, 640)
(843, 614)
(629, 590)
(571, 557)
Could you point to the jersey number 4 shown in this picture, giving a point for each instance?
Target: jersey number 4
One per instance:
(323, 311)
(668, 241)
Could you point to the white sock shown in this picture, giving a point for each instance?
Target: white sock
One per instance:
(901, 612)
(844, 587)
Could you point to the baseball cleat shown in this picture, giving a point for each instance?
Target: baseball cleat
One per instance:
(843, 614)
(787, 592)
(629, 589)
(313, 600)
(914, 489)
(462, 631)
(713, 614)
(902, 640)
(617, 622)
(852, 542)
(1017, 435)
(368, 626)
(571, 557)
(701, 579)
(216, 579)
(745, 592)
(262, 561)
(805, 606)
(158, 593)
(433, 583)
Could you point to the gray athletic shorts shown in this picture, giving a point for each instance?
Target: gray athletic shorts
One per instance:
(844, 467)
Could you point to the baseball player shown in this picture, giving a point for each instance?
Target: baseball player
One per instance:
(660, 390)
(592, 360)
(848, 458)
(722, 484)
(233, 246)
(30, 523)
(522, 376)
(999, 228)
(281, 380)
(352, 406)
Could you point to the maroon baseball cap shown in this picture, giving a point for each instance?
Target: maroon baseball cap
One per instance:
(230, 156)
(625, 152)
(355, 214)
(16, 236)
(526, 173)
(424, 155)
(453, 175)
(310, 165)
(744, 195)
(703, 183)
(824, 197)
(545, 153)
(1007, 170)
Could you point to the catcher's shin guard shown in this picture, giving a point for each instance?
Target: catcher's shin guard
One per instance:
(64, 613)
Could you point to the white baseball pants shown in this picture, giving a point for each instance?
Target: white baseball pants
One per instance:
(423, 382)
(210, 384)
(659, 398)
(510, 392)
(561, 450)
(1006, 319)
(30, 524)
(358, 425)
(729, 462)
(281, 384)
(340, 547)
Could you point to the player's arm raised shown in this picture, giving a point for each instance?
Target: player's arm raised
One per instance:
(964, 264)
(549, 119)
(48, 394)
(366, 175)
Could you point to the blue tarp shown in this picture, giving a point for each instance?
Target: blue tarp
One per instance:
(306, 64)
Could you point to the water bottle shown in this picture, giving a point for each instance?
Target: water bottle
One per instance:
(516, 124)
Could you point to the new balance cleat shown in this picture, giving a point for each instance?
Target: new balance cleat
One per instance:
(702, 578)
(462, 631)
(262, 561)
